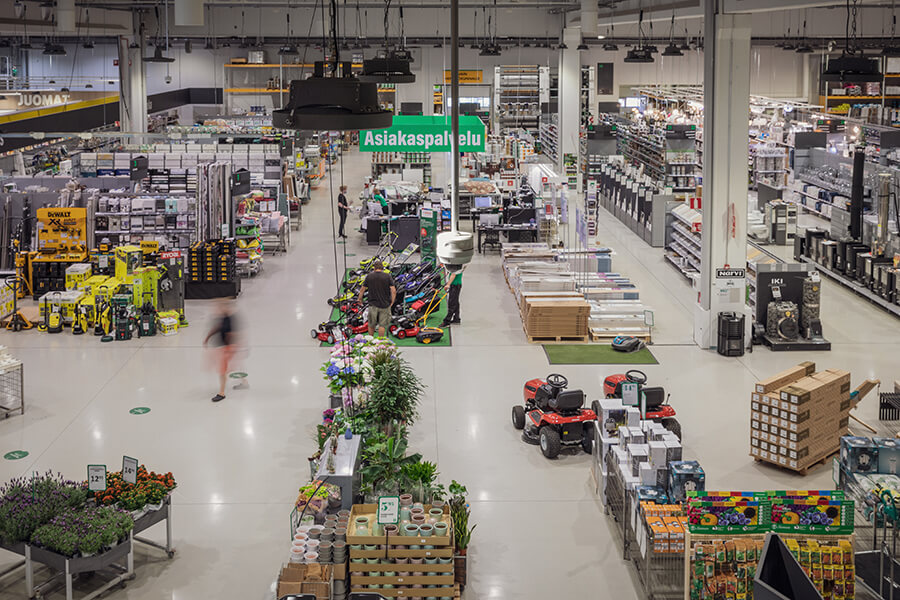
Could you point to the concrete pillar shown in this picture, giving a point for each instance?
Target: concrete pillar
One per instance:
(725, 130)
(132, 87)
(569, 94)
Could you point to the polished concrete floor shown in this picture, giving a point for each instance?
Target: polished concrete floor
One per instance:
(541, 530)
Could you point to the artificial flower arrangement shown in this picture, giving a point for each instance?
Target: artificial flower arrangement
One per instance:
(151, 488)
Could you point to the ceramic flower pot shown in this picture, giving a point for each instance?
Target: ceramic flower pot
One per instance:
(418, 519)
(426, 530)
(441, 528)
(406, 500)
(411, 530)
(391, 529)
(436, 513)
(404, 513)
(438, 504)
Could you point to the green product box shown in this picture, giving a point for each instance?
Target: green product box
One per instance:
(832, 517)
(729, 516)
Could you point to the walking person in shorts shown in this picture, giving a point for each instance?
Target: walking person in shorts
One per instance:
(382, 293)
(224, 336)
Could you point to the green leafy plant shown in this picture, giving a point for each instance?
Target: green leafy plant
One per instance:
(383, 465)
(459, 514)
(394, 394)
(419, 478)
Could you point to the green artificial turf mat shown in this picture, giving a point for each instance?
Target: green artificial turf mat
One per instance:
(595, 354)
(434, 320)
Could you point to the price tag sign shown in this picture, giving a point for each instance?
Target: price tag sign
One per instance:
(648, 317)
(388, 510)
(96, 478)
(629, 393)
(129, 469)
(814, 275)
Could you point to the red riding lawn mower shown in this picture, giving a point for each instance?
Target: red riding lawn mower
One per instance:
(657, 402)
(553, 416)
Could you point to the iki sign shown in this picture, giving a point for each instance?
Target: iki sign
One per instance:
(42, 99)
(424, 134)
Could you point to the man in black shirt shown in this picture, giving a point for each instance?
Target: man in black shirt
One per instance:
(342, 207)
(382, 294)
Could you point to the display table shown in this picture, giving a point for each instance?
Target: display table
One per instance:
(346, 468)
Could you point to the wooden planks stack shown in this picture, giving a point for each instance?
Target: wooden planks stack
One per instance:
(798, 416)
(556, 319)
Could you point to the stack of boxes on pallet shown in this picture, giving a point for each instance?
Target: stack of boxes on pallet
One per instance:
(798, 416)
(556, 319)
(538, 275)
(212, 262)
(416, 562)
(646, 457)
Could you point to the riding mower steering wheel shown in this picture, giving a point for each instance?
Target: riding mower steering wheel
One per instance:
(557, 381)
(635, 376)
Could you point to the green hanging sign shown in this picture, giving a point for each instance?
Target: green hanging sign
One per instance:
(411, 133)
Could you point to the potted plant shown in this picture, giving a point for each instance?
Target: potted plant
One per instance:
(383, 465)
(419, 480)
(394, 394)
(462, 533)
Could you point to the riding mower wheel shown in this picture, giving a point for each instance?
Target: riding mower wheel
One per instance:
(587, 442)
(518, 417)
(550, 443)
(672, 425)
(595, 406)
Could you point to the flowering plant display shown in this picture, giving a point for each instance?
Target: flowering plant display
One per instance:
(86, 531)
(151, 488)
(28, 503)
(349, 364)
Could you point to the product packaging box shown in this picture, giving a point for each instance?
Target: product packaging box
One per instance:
(612, 415)
(673, 449)
(859, 454)
(647, 474)
(624, 436)
(633, 417)
(658, 453)
(685, 476)
(636, 436)
(128, 258)
(76, 275)
(637, 454)
(888, 455)
(651, 493)
(785, 377)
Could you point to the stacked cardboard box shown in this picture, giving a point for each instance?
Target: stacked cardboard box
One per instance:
(300, 578)
(555, 317)
(798, 416)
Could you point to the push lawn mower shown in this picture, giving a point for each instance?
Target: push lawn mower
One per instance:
(325, 332)
(656, 400)
(553, 416)
(356, 326)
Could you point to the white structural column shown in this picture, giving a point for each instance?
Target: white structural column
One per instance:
(569, 95)
(132, 88)
(725, 130)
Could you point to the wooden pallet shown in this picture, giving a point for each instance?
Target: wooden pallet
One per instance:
(824, 460)
(558, 339)
(607, 338)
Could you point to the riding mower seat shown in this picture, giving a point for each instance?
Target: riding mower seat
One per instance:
(567, 401)
(655, 397)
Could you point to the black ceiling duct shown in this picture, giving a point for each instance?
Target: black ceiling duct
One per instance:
(332, 103)
(855, 68)
(158, 56)
(639, 55)
(393, 68)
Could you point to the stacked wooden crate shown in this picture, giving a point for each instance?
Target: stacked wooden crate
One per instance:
(384, 563)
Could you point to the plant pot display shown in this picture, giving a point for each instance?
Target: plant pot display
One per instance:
(380, 396)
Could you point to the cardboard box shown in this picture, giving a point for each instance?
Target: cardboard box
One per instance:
(888, 455)
(859, 454)
(77, 274)
(684, 476)
(299, 578)
(785, 377)
(612, 415)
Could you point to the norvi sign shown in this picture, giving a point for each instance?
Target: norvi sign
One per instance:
(423, 134)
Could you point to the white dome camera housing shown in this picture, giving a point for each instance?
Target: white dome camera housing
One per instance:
(455, 248)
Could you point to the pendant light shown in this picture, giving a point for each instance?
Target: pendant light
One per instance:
(158, 51)
(892, 50)
(672, 49)
(393, 64)
(610, 46)
(803, 47)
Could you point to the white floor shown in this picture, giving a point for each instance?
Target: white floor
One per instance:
(541, 532)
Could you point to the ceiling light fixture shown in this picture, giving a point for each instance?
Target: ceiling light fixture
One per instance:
(639, 55)
(610, 46)
(288, 50)
(158, 56)
(89, 44)
(804, 49)
(563, 46)
(582, 46)
(54, 50)
(672, 50)
(601, 37)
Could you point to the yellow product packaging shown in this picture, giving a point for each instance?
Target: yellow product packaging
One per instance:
(128, 258)
(794, 547)
(846, 552)
(108, 288)
(815, 553)
(76, 275)
(91, 284)
(804, 554)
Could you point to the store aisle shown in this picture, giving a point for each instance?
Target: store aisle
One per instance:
(239, 463)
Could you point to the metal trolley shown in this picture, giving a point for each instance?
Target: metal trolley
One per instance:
(661, 574)
(12, 389)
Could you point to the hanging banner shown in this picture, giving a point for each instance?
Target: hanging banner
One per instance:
(469, 76)
(410, 133)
